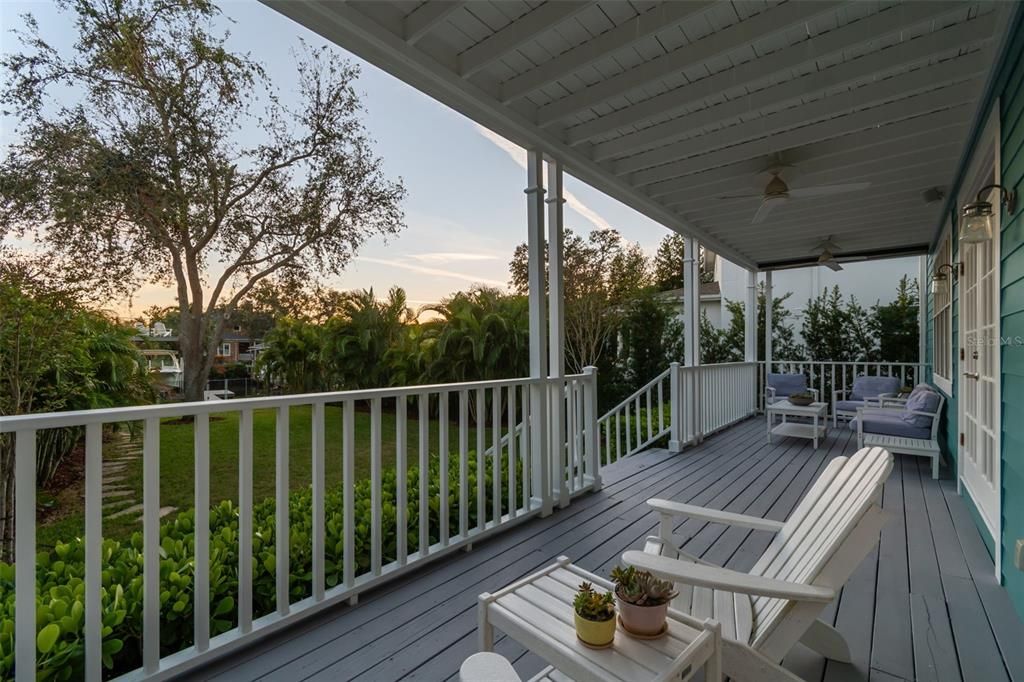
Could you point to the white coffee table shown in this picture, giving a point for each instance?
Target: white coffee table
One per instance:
(815, 429)
(537, 612)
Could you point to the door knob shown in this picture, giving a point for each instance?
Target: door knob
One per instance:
(971, 375)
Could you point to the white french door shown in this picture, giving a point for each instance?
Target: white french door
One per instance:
(979, 395)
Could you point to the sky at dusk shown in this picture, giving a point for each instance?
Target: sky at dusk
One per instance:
(465, 211)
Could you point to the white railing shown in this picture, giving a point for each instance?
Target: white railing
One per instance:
(683, 404)
(637, 421)
(828, 376)
(538, 476)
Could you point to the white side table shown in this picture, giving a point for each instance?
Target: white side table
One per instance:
(815, 430)
(537, 612)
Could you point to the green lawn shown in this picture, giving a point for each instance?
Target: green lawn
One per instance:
(177, 462)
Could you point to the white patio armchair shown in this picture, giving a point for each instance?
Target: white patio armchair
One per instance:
(905, 426)
(779, 387)
(767, 610)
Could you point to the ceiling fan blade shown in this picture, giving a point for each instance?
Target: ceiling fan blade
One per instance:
(826, 190)
(740, 196)
(832, 265)
(764, 209)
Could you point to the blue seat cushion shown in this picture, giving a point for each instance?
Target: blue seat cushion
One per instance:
(787, 384)
(872, 387)
(849, 405)
(891, 423)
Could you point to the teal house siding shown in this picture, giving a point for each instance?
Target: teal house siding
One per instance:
(1012, 323)
(1009, 89)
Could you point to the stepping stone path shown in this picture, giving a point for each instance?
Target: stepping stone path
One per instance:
(121, 500)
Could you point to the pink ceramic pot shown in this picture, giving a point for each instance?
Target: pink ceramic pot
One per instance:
(642, 620)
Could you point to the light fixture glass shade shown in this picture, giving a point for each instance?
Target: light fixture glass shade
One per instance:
(976, 222)
(937, 281)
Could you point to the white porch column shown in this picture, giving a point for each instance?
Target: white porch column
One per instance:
(540, 483)
(556, 330)
(768, 321)
(750, 319)
(922, 317)
(691, 303)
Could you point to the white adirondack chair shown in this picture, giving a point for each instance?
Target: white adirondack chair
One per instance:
(766, 611)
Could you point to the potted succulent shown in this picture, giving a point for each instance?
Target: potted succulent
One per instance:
(643, 601)
(801, 399)
(594, 616)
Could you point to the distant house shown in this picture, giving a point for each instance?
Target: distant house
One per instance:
(236, 346)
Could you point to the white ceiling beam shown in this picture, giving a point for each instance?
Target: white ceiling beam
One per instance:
(740, 227)
(513, 36)
(846, 73)
(845, 37)
(421, 20)
(900, 228)
(803, 169)
(948, 73)
(659, 18)
(363, 36)
(959, 116)
(873, 170)
(844, 125)
(767, 23)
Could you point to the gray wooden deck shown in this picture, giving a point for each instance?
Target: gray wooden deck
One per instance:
(924, 606)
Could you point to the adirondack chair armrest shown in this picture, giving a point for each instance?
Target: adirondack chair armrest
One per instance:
(713, 515)
(726, 579)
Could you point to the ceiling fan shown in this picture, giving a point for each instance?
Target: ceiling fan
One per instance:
(828, 257)
(777, 192)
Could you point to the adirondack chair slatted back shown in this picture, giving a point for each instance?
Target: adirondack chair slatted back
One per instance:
(816, 529)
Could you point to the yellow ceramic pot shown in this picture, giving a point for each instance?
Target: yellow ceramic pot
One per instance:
(595, 632)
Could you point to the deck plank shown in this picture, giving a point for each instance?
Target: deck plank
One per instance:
(924, 605)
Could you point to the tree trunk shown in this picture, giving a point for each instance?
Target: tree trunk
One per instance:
(6, 498)
(195, 363)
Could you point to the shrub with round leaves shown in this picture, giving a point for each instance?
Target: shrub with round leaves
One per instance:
(60, 574)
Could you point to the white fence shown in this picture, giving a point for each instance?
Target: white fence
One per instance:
(682, 403)
(524, 430)
(828, 376)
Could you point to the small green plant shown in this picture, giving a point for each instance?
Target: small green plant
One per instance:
(593, 605)
(641, 587)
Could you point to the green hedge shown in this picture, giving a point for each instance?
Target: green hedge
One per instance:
(60, 574)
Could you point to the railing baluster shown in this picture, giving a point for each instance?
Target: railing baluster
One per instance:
(151, 546)
(25, 555)
(348, 482)
(513, 464)
(376, 457)
(201, 570)
(244, 520)
(319, 492)
(618, 433)
(639, 433)
(281, 527)
(424, 462)
(442, 446)
(401, 482)
(650, 417)
(661, 406)
(524, 451)
(93, 550)
(629, 430)
(496, 455)
(463, 463)
(579, 427)
(571, 428)
(481, 482)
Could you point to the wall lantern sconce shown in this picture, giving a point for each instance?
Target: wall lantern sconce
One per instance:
(939, 277)
(976, 217)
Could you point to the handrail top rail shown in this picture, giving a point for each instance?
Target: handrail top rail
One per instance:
(632, 396)
(54, 420)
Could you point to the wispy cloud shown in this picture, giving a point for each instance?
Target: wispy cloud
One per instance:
(450, 257)
(518, 155)
(438, 272)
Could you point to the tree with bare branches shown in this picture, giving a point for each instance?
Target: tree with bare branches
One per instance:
(152, 153)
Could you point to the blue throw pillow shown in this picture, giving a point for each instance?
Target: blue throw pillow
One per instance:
(922, 399)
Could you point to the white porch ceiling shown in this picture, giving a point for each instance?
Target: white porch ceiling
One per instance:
(668, 105)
